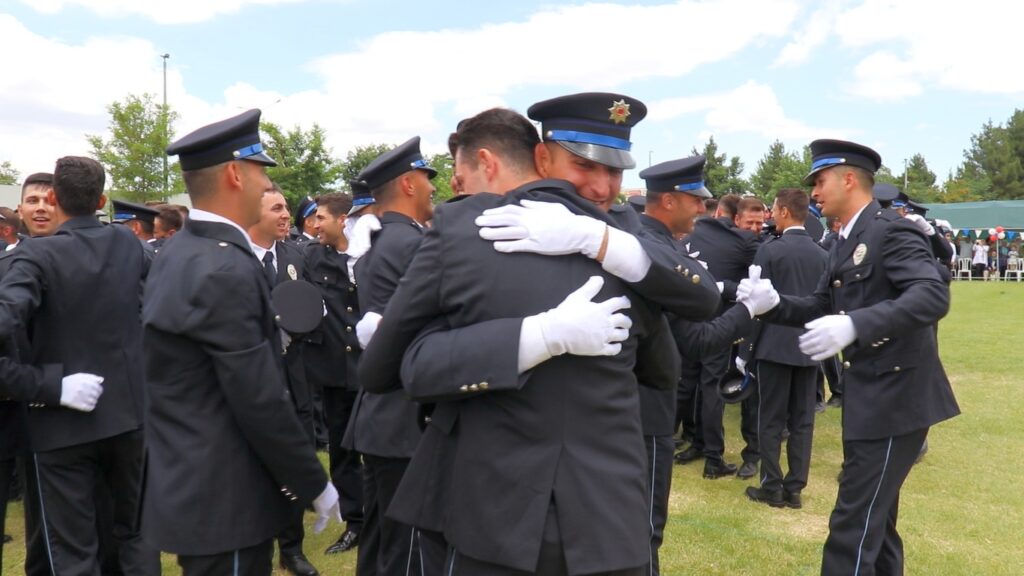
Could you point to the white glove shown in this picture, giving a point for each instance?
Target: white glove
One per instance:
(326, 507)
(827, 336)
(921, 223)
(756, 293)
(286, 340)
(576, 326)
(367, 327)
(741, 365)
(81, 391)
(543, 228)
(359, 235)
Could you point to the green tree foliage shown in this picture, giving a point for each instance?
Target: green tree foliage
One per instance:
(722, 174)
(918, 181)
(134, 156)
(779, 169)
(996, 159)
(305, 166)
(445, 166)
(359, 157)
(8, 174)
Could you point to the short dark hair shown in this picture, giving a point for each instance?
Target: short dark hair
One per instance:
(795, 200)
(453, 143)
(710, 205)
(506, 132)
(200, 183)
(749, 204)
(38, 179)
(10, 218)
(170, 216)
(337, 203)
(78, 183)
(729, 205)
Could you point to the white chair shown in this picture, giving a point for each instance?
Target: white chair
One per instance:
(1014, 267)
(963, 269)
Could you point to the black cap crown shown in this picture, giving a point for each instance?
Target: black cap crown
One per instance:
(361, 197)
(593, 125)
(684, 175)
(828, 153)
(889, 196)
(237, 138)
(125, 211)
(394, 163)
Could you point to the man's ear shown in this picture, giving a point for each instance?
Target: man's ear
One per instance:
(102, 202)
(51, 197)
(542, 159)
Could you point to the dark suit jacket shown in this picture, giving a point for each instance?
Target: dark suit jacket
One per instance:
(385, 424)
(728, 250)
(291, 266)
(13, 435)
(77, 295)
(795, 264)
(332, 350)
(884, 277)
(568, 430)
(228, 458)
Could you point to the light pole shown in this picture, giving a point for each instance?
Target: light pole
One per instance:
(165, 57)
(906, 182)
(650, 156)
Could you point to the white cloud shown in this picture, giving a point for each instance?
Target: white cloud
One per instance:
(750, 108)
(161, 11)
(815, 31)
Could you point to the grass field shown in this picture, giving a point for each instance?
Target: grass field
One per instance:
(961, 513)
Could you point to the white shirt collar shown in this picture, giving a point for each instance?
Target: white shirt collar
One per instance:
(10, 247)
(844, 232)
(259, 251)
(204, 216)
(794, 228)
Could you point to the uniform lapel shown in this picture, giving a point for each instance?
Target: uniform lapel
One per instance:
(843, 254)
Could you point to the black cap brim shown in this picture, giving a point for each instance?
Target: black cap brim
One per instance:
(299, 306)
(261, 158)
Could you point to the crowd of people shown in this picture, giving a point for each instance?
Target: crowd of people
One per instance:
(502, 382)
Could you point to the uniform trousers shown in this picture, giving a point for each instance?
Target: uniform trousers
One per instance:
(709, 372)
(7, 468)
(687, 407)
(346, 468)
(387, 547)
(786, 402)
(659, 479)
(68, 479)
(289, 540)
(550, 563)
(252, 561)
(37, 559)
(862, 538)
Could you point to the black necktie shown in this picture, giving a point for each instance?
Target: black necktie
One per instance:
(268, 267)
(839, 243)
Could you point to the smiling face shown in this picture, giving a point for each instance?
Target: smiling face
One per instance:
(596, 182)
(36, 212)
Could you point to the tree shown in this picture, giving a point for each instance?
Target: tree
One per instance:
(919, 181)
(721, 174)
(778, 169)
(140, 130)
(445, 166)
(997, 153)
(8, 173)
(305, 166)
(358, 158)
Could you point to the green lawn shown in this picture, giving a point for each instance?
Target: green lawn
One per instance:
(961, 510)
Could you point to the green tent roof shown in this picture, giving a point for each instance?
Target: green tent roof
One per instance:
(1006, 213)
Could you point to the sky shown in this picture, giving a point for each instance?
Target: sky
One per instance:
(901, 76)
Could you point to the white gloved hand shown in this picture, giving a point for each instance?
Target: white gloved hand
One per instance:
(922, 224)
(585, 328)
(543, 228)
(367, 327)
(286, 340)
(741, 365)
(359, 235)
(327, 508)
(827, 336)
(695, 255)
(81, 391)
(756, 293)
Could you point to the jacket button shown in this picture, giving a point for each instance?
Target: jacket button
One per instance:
(896, 369)
(348, 328)
(842, 312)
(348, 309)
(837, 284)
(464, 388)
(474, 387)
(846, 364)
(351, 289)
(695, 279)
(325, 278)
(484, 385)
(348, 348)
(277, 318)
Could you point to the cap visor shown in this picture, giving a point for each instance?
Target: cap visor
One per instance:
(701, 192)
(260, 158)
(430, 172)
(809, 179)
(356, 209)
(612, 157)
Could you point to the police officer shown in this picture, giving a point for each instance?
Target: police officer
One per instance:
(207, 306)
(877, 303)
(304, 229)
(332, 352)
(139, 218)
(384, 427)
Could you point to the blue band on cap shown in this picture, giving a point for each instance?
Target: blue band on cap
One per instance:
(249, 151)
(124, 216)
(688, 187)
(589, 138)
(827, 162)
(421, 163)
(309, 210)
(363, 201)
(898, 204)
